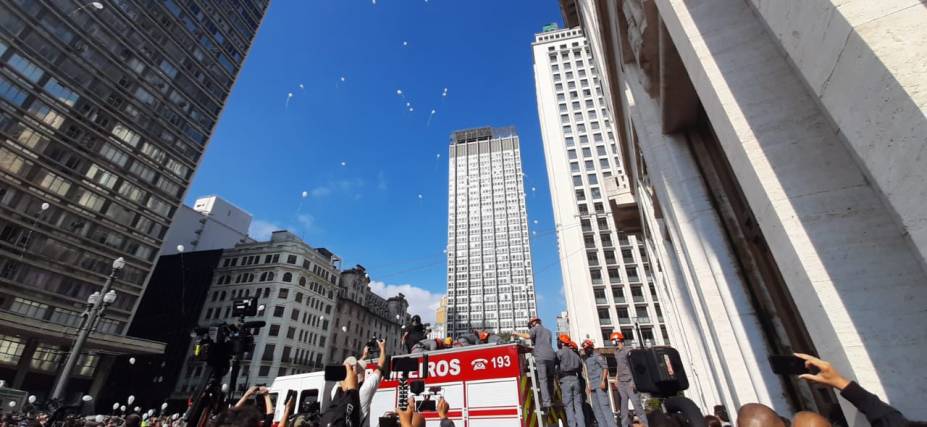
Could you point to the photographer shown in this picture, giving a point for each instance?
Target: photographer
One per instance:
(414, 333)
(877, 412)
(370, 383)
(412, 418)
(253, 392)
(344, 410)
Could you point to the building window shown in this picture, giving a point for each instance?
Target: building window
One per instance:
(274, 330)
(283, 293)
(268, 352)
(287, 277)
(291, 259)
(278, 311)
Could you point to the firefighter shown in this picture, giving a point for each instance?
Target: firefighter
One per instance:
(544, 357)
(569, 368)
(485, 337)
(626, 388)
(597, 372)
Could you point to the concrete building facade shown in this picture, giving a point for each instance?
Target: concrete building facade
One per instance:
(490, 284)
(774, 150)
(104, 114)
(362, 315)
(607, 278)
(212, 223)
(296, 284)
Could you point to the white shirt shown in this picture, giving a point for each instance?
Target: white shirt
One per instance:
(366, 392)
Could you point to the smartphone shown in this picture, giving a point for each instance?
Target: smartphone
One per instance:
(290, 394)
(335, 372)
(427, 405)
(790, 365)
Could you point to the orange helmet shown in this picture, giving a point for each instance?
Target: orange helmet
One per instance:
(565, 339)
(588, 344)
(572, 345)
(448, 341)
(617, 335)
(484, 335)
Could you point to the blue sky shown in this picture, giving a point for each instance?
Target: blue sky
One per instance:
(355, 147)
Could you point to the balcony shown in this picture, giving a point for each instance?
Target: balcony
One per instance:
(605, 321)
(619, 299)
(624, 320)
(638, 298)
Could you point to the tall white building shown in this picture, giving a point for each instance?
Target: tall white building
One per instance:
(212, 223)
(489, 277)
(607, 276)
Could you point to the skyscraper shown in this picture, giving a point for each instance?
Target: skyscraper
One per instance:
(105, 111)
(606, 270)
(490, 283)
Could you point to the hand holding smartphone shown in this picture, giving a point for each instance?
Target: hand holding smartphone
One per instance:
(791, 365)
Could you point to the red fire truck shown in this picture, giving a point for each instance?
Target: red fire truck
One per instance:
(485, 385)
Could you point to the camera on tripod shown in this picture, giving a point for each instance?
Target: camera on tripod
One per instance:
(217, 344)
(221, 346)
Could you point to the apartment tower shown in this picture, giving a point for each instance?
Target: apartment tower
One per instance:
(490, 284)
(607, 276)
(105, 111)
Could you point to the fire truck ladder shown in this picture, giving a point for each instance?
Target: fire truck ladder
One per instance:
(537, 417)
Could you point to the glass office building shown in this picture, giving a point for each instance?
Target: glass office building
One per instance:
(105, 111)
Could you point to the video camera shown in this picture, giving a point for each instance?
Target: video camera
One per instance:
(221, 346)
(218, 344)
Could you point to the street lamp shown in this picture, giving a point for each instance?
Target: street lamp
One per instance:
(94, 310)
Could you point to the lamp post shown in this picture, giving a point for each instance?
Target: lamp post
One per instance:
(96, 307)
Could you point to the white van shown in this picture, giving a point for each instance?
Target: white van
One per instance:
(310, 388)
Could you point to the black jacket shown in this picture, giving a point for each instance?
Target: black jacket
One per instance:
(877, 412)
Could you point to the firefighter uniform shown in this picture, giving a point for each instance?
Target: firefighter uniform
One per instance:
(626, 389)
(596, 367)
(569, 367)
(544, 356)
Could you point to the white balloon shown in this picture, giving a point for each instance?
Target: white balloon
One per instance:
(137, 409)
(532, 188)
(98, 418)
(305, 194)
(180, 248)
(342, 78)
(150, 412)
(164, 406)
(45, 206)
(115, 406)
(12, 404)
(438, 156)
(289, 94)
(86, 398)
(343, 163)
(145, 416)
(301, 86)
(130, 400)
(374, 1)
(535, 221)
(225, 388)
(344, 329)
(398, 91)
(175, 416)
(411, 109)
(405, 43)
(122, 408)
(408, 104)
(32, 399)
(433, 111)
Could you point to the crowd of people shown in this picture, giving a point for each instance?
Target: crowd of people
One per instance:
(581, 372)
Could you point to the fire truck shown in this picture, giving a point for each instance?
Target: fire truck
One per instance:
(485, 385)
